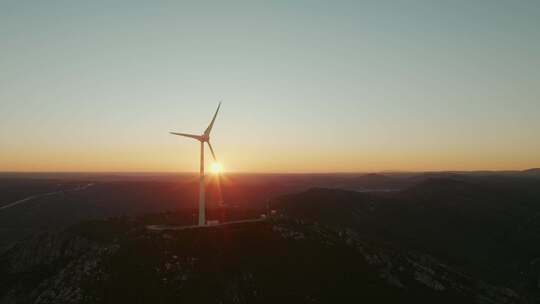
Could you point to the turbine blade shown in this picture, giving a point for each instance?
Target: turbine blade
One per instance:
(197, 137)
(209, 129)
(212, 150)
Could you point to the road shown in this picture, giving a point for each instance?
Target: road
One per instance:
(36, 196)
(168, 227)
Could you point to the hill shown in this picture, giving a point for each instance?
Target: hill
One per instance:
(485, 227)
(532, 171)
(285, 261)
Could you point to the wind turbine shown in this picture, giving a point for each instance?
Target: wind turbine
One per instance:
(204, 138)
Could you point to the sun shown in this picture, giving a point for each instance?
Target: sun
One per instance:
(216, 168)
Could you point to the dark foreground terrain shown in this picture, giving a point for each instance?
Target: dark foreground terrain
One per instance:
(275, 261)
(387, 238)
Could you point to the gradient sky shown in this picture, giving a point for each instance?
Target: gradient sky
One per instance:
(307, 86)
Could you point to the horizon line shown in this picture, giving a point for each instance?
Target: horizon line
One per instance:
(266, 173)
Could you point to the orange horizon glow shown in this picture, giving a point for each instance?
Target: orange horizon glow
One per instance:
(343, 164)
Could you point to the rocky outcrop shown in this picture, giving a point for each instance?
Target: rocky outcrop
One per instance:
(58, 264)
(46, 249)
(403, 269)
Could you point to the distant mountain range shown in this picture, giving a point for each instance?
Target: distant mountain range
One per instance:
(535, 171)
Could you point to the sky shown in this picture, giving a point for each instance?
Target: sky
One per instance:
(307, 86)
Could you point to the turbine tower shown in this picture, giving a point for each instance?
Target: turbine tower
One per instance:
(204, 138)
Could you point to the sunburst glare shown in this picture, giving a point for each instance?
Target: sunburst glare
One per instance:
(216, 168)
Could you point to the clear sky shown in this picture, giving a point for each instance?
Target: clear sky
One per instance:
(307, 86)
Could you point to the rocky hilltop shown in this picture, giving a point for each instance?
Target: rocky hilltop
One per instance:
(275, 261)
